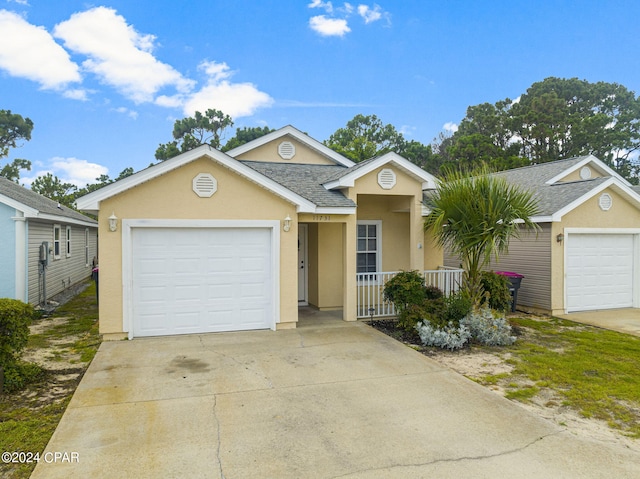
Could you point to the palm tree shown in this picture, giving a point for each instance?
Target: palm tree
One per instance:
(475, 215)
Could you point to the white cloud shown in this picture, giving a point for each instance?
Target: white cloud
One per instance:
(234, 99)
(328, 6)
(76, 171)
(68, 170)
(126, 111)
(370, 14)
(28, 51)
(20, 2)
(450, 127)
(118, 54)
(329, 27)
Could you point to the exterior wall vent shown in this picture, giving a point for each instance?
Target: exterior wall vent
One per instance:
(205, 185)
(585, 173)
(605, 201)
(286, 150)
(387, 179)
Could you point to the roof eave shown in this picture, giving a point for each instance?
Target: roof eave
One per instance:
(298, 135)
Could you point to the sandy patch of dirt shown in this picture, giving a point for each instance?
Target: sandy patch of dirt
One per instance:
(63, 366)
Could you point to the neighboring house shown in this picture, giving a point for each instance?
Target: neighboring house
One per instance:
(209, 241)
(586, 255)
(32, 225)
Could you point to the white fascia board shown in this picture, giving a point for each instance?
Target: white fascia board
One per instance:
(91, 202)
(614, 181)
(298, 135)
(28, 211)
(65, 219)
(348, 181)
(336, 210)
(543, 219)
(598, 165)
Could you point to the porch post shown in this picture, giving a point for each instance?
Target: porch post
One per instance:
(416, 235)
(349, 300)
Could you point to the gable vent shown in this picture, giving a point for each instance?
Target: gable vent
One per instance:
(205, 185)
(387, 179)
(585, 173)
(605, 201)
(286, 150)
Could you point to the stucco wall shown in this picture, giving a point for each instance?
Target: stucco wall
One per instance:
(575, 175)
(622, 215)
(269, 153)
(171, 197)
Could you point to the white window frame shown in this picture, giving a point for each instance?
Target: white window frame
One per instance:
(86, 246)
(57, 243)
(378, 250)
(67, 236)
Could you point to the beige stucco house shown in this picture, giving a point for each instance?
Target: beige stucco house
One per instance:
(586, 255)
(208, 241)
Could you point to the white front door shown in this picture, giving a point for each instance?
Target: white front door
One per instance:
(303, 275)
(600, 271)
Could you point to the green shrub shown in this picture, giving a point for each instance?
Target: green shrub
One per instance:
(18, 374)
(414, 302)
(15, 317)
(496, 289)
(456, 307)
(405, 288)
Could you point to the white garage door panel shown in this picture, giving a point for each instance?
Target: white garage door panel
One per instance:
(600, 270)
(193, 280)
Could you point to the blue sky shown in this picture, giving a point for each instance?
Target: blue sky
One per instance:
(104, 82)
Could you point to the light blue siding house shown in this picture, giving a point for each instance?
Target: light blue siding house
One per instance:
(45, 248)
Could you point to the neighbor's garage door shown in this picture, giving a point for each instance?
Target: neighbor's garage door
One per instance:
(599, 271)
(197, 280)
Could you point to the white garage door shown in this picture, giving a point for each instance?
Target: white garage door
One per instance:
(196, 280)
(599, 271)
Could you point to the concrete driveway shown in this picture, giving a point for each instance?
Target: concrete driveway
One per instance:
(329, 399)
(625, 320)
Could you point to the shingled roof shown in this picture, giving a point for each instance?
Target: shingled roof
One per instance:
(553, 197)
(43, 205)
(305, 180)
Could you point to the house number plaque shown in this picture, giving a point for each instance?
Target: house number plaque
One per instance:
(321, 217)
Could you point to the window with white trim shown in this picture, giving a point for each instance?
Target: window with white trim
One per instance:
(369, 246)
(56, 241)
(68, 242)
(86, 246)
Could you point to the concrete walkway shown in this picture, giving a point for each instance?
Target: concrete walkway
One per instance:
(327, 400)
(625, 320)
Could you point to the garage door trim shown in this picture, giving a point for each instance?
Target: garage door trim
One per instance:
(128, 225)
(635, 232)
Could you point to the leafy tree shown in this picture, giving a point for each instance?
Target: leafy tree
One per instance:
(11, 171)
(365, 137)
(13, 128)
(51, 187)
(245, 135)
(101, 181)
(423, 156)
(475, 216)
(191, 132)
(555, 119)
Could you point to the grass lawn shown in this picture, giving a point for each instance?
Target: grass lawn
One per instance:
(64, 345)
(596, 371)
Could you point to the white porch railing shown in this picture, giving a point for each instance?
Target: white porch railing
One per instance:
(371, 287)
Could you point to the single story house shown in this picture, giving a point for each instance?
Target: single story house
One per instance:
(586, 255)
(45, 247)
(210, 241)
